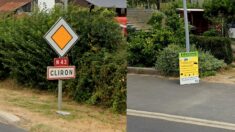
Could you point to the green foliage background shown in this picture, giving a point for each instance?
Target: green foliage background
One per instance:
(220, 47)
(168, 28)
(143, 46)
(220, 12)
(168, 61)
(99, 54)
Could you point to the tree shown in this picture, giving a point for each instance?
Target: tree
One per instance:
(220, 12)
(158, 3)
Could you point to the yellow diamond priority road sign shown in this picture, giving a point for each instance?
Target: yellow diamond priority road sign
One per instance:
(61, 37)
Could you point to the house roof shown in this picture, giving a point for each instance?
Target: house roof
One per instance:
(105, 3)
(2, 2)
(109, 3)
(12, 5)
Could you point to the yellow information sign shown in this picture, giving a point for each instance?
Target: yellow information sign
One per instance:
(188, 62)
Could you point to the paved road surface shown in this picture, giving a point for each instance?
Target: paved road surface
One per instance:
(141, 124)
(205, 100)
(9, 128)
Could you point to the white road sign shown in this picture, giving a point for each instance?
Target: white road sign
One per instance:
(56, 73)
(61, 37)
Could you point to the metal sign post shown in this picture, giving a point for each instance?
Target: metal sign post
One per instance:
(186, 26)
(59, 94)
(61, 38)
(188, 61)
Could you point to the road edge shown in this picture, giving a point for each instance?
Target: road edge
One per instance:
(143, 70)
(181, 119)
(8, 118)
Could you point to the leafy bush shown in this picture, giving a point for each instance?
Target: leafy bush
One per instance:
(4, 72)
(102, 80)
(211, 32)
(100, 71)
(141, 50)
(143, 46)
(220, 47)
(156, 19)
(168, 61)
(209, 64)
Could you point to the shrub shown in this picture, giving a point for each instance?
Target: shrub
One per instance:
(156, 19)
(208, 64)
(99, 69)
(141, 50)
(211, 32)
(102, 80)
(4, 72)
(220, 47)
(167, 28)
(168, 61)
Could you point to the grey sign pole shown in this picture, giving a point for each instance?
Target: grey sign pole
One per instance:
(186, 26)
(60, 82)
(60, 87)
(59, 94)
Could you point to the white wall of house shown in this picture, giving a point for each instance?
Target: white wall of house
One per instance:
(46, 5)
(232, 32)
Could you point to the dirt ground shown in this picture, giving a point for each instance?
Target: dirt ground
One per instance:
(226, 76)
(37, 111)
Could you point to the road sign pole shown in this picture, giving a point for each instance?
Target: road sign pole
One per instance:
(186, 26)
(60, 95)
(61, 37)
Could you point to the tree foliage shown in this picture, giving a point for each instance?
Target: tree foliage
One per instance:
(214, 8)
(221, 13)
(167, 28)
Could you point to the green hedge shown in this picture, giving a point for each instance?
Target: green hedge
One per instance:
(100, 71)
(166, 28)
(220, 47)
(141, 50)
(168, 61)
(4, 72)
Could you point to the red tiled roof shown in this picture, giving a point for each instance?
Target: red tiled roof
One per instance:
(11, 5)
(2, 2)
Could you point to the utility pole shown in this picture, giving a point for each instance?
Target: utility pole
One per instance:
(186, 26)
(66, 5)
(158, 3)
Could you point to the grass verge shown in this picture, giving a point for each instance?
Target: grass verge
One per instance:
(37, 110)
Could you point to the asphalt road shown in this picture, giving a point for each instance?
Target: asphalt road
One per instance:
(140, 124)
(10, 128)
(209, 101)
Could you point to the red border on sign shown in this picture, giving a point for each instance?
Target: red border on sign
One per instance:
(62, 78)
